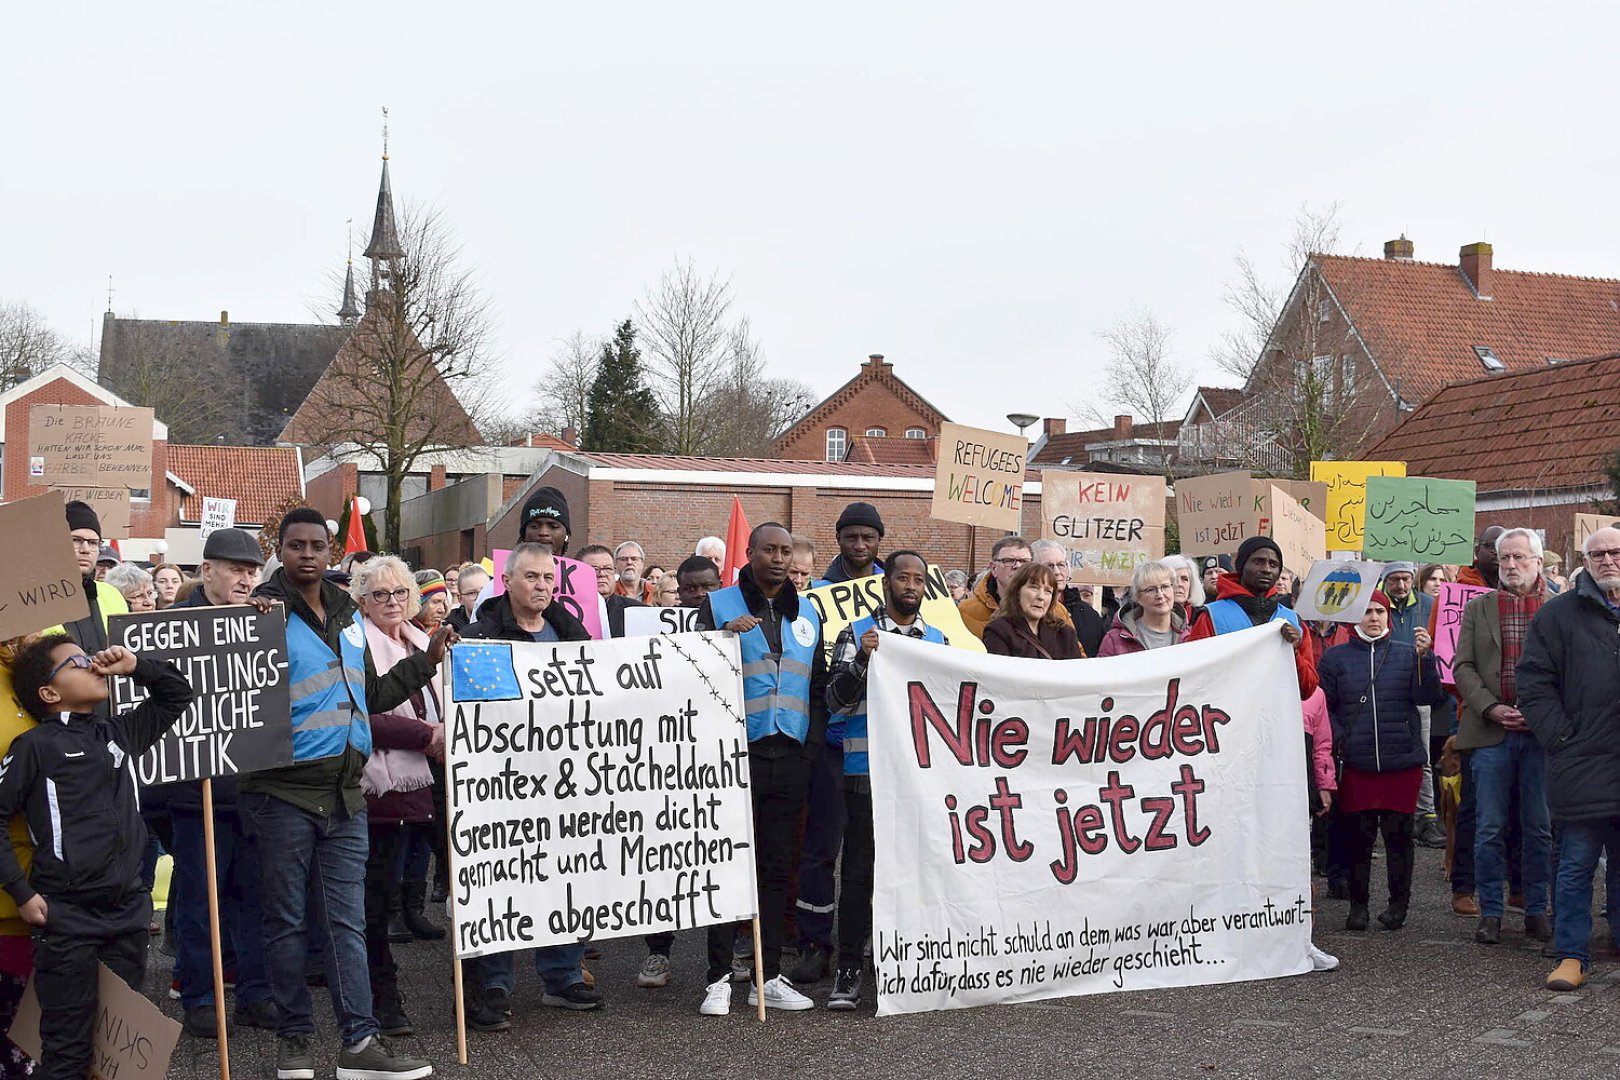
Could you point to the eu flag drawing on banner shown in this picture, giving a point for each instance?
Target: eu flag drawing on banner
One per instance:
(482, 671)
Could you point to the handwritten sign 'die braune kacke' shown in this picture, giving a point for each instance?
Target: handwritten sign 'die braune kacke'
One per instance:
(979, 478)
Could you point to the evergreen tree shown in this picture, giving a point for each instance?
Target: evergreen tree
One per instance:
(622, 413)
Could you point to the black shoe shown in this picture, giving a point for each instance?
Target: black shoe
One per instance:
(1338, 889)
(1430, 834)
(398, 932)
(578, 997)
(257, 1014)
(1538, 928)
(441, 892)
(390, 1012)
(1489, 930)
(811, 968)
(490, 1010)
(413, 897)
(846, 991)
(202, 1021)
(1357, 919)
(1393, 917)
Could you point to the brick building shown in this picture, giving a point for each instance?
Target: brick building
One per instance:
(1533, 442)
(668, 502)
(875, 404)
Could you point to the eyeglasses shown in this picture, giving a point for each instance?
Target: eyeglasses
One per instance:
(601, 570)
(78, 660)
(1011, 563)
(466, 594)
(382, 597)
(1606, 553)
(1516, 558)
(89, 542)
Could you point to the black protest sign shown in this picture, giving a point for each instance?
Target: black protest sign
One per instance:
(236, 661)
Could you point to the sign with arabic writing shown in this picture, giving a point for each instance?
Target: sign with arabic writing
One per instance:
(1419, 518)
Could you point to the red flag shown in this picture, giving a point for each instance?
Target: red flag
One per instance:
(736, 543)
(355, 539)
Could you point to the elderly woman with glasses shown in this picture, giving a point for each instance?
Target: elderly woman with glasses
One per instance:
(1152, 619)
(135, 585)
(397, 781)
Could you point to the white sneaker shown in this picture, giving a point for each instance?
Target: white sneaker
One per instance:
(779, 994)
(1321, 961)
(717, 1000)
(654, 971)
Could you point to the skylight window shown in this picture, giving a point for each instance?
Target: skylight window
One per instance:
(1489, 359)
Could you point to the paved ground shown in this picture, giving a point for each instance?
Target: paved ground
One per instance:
(1422, 1002)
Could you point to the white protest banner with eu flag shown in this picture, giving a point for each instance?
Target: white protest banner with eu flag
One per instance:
(596, 789)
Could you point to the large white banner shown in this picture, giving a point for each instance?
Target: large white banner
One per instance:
(1054, 828)
(597, 789)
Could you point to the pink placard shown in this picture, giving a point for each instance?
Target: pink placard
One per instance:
(576, 588)
(1448, 613)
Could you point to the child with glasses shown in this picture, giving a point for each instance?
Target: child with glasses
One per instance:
(73, 779)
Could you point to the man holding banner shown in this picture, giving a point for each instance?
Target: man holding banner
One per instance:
(784, 683)
(903, 588)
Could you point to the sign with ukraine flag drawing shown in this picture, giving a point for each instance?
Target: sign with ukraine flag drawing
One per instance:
(596, 789)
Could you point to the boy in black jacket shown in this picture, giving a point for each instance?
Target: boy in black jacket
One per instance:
(73, 779)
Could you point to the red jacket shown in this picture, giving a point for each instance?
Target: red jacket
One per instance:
(1228, 587)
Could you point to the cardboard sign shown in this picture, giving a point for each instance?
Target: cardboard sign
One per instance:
(843, 602)
(1217, 513)
(1347, 497)
(42, 586)
(110, 504)
(1587, 524)
(1049, 829)
(217, 514)
(576, 590)
(1310, 494)
(1301, 535)
(645, 621)
(1448, 613)
(596, 789)
(236, 662)
(1110, 523)
(132, 1039)
(1420, 519)
(979, 479)
(1338, 590)
(91, 445)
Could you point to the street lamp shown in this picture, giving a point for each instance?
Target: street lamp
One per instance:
(1021, 420)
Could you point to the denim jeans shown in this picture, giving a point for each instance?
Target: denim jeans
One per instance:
(241, 918)
(823, 835)
(557, 966)
(1515, 765)
(318, 863)
(1579, 845)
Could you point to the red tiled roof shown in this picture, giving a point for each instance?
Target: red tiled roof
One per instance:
(1072, 444)
(872, 450)
(543, 440)
(259, 478)
(1541, 429)
(1223, 399)
(1421, 321)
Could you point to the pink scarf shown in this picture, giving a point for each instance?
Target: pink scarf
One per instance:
(396, 769)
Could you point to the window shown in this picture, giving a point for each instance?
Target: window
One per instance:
(877, 433)
(1324, 310)
(1489, 359)
(837, 443)
(1347, 375)
(916, 433)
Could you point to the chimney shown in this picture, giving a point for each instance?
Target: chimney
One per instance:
(875, 362)
(1053, 425)
(1475, 264)
(1398, 250)
(1122, 426)
(224, 318)
(571, 436)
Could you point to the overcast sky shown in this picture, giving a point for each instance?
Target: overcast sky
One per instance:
(973, 190)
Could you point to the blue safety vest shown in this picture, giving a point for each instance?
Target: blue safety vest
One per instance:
(328, 692)
(1228, 618)
(854, 723)
(776, 688)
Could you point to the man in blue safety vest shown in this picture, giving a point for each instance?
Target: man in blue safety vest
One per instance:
(784, 679)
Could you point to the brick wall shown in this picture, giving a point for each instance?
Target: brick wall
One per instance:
(331, 491)
(872, 400)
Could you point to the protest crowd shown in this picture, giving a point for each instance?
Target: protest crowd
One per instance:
(1507, 759)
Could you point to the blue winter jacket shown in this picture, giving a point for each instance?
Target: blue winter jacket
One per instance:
(1373, 692)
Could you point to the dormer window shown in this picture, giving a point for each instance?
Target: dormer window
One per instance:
(1488, 359)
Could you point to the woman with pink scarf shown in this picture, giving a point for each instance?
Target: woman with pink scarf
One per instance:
(397, 781)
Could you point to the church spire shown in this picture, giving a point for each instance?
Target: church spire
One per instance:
(350, 311)
(384, 249)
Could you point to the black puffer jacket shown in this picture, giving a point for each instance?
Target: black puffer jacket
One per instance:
(1568, 684)
(1373, 692)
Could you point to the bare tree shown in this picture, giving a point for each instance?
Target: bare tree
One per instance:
(29, 345)
(693, 352)
(392, 389)
(1144, 376)
(565, 388)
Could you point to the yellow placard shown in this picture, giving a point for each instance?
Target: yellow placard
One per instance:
(843, 602)
(1347, 497)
